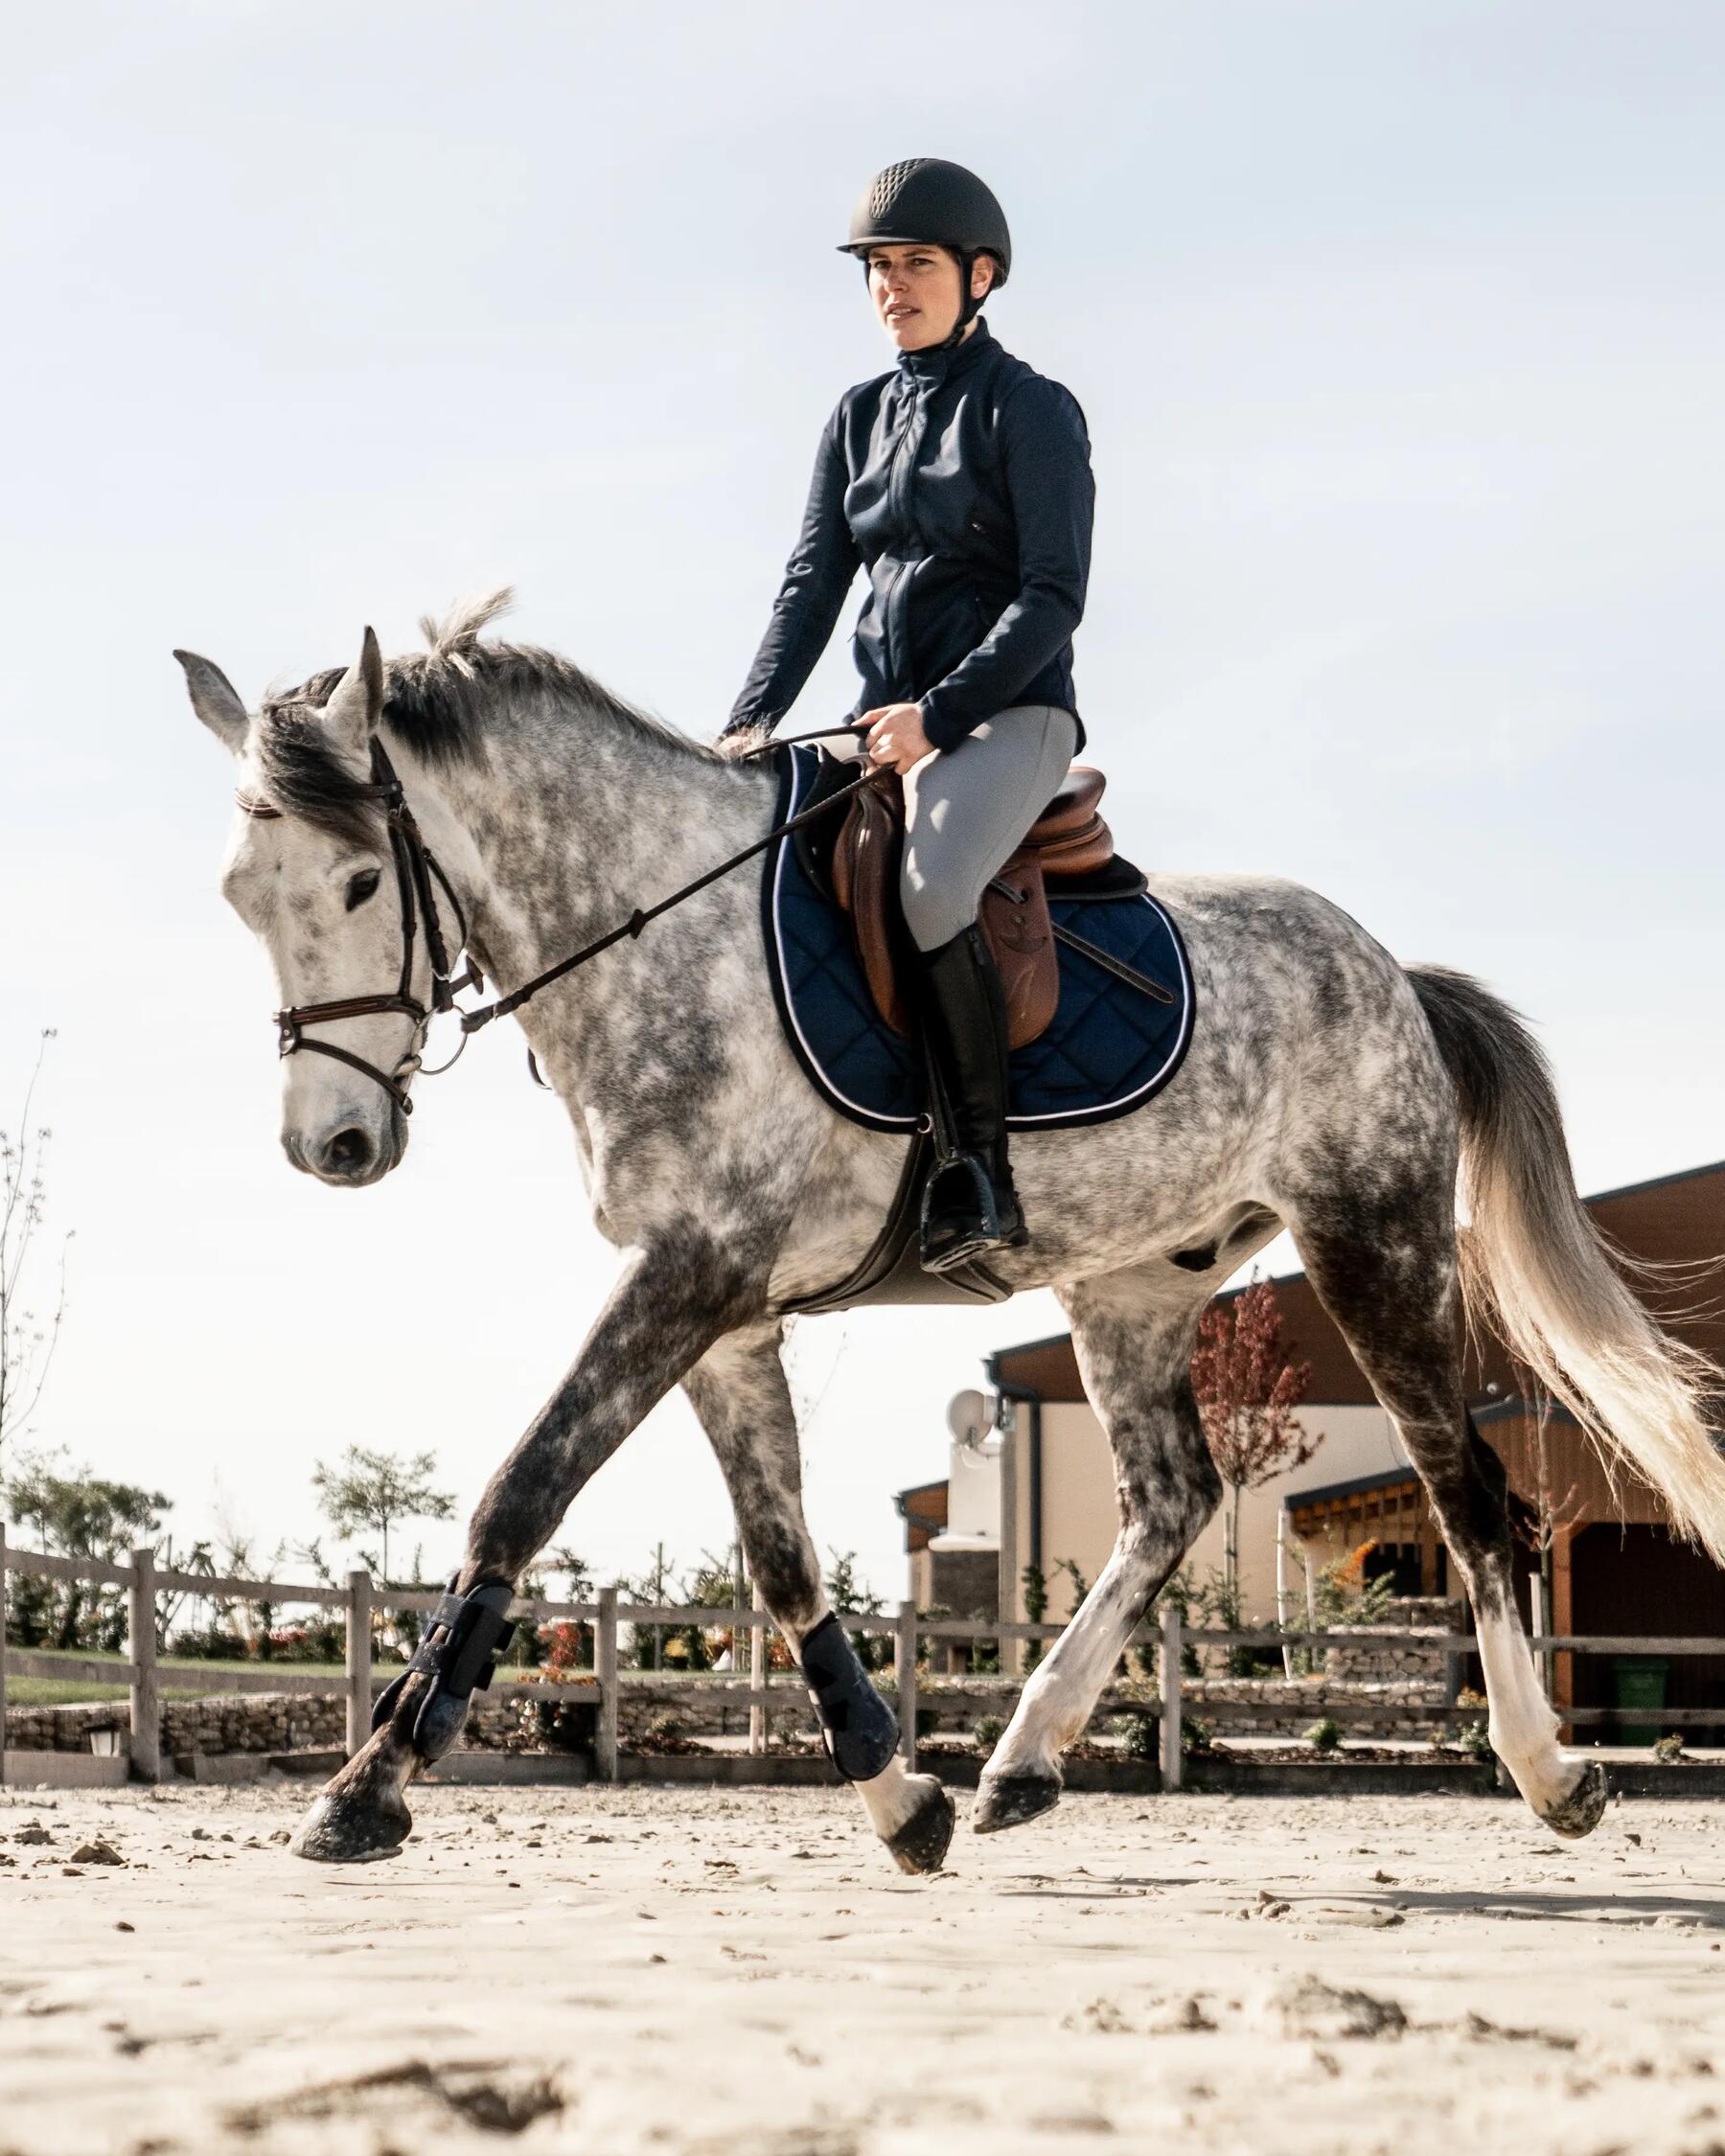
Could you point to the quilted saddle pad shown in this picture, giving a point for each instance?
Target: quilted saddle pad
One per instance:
(1110, 1049)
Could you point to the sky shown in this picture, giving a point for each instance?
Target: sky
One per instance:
(1399, 330)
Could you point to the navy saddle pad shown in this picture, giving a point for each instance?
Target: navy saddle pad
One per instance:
(1110, 1049)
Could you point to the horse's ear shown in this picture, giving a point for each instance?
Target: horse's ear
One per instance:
(356, 701)
(215, 701)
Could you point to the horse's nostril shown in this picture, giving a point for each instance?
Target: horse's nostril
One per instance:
(348, 1152)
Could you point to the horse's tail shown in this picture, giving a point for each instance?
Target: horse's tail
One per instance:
(1539, 1273)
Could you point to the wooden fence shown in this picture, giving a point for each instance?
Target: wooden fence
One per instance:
(146, 1679)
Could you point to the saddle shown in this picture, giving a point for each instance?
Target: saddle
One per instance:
(1069, 843)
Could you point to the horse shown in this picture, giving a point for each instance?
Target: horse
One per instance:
(1329, 1089)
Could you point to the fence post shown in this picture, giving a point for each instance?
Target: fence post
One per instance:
(145, 1700)
(2, 1654)
(604, 1668)
(358, 1659)
(904, 1668)
(1170, 1696)
(757, 1677)
(1539, 1630)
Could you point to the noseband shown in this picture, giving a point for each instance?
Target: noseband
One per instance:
(416, 870)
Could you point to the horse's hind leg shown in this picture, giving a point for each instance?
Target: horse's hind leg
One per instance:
(1382, 1257)
(740, 1393)
(1133, 1334)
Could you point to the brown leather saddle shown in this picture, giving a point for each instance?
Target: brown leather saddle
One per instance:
(1067, 841)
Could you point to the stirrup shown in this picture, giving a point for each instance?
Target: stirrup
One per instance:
(459, 1653)
(996, 1228)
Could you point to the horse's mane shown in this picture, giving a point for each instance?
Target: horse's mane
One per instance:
(436, 703)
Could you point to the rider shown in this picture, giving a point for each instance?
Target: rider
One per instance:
(961, 480)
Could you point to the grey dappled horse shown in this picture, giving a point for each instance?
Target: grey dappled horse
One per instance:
(1329, 1089)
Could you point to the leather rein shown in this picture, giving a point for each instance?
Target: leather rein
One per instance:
(417, 871)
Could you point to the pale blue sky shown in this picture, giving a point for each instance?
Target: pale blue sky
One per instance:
(1400, 334)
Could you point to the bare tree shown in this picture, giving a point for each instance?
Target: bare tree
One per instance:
(1246, 1389)
(31, 1310)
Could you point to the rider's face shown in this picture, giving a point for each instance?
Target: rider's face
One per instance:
(915, 292)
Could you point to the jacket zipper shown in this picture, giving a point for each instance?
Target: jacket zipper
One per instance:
(895, 495)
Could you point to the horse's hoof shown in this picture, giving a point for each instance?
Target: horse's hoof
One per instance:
(344, 1830)
(1583, 1808)
(1010, 1799)
(920, 1844)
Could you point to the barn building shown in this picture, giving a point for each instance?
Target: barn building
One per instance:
(1035, 1492)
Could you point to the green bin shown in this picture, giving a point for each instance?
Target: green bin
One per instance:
(1640, 1682)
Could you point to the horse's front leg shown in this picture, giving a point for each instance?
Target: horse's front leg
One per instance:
(738, 1392)
(673, 1300)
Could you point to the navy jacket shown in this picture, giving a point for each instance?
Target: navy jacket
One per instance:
(962, 482)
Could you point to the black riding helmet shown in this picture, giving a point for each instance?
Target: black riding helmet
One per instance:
(941, 204)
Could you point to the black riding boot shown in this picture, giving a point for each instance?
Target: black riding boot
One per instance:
(969, 1206)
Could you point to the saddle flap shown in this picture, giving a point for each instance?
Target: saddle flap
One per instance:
(865, 875)
(1015, 922)
(1014, 918)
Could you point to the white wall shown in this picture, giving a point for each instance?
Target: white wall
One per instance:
(1080, 1516)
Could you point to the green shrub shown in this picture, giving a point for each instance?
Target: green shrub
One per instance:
(1476, 1741)
(1324, 1735)
(987, 1730)
(1143, 1737)
(1669, 1750)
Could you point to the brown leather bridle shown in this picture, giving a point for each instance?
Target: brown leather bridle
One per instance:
(416, 869)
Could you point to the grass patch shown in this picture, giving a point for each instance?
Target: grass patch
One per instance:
(78, 1691)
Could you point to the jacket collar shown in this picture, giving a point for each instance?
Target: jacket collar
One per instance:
(943, 364)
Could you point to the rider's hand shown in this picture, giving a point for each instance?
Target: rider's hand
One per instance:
(895, 736)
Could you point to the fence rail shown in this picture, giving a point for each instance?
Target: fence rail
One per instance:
(145, 1677)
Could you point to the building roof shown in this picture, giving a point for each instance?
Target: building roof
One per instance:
(1673, 1220)
(1385, 1478)
(923, 1508)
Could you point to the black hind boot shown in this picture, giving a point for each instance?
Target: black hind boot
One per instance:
(969, 1204)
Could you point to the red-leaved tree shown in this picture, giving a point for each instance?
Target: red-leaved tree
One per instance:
(1247, 1389)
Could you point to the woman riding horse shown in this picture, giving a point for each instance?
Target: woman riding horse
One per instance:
(962, 481)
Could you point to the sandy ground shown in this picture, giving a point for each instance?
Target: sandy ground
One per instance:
(742, 1973)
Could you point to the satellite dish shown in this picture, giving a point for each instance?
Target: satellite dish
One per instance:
(970, 1419)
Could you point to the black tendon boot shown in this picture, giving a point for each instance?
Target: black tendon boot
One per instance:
(969, 1206)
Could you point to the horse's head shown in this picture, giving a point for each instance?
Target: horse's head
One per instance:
(316, 868)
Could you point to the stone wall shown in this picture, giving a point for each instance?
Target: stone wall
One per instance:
(1391, 1670)
(267, 1721)
(233, 1722)
(1398, 1646)
(1408, 1707)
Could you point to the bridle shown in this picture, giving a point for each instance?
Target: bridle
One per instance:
(417, 869)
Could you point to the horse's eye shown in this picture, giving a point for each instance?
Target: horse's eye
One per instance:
(360, 887)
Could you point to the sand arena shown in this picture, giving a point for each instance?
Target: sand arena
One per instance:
(698, 1972)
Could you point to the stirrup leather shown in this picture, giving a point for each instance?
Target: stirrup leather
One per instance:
(459, 1653)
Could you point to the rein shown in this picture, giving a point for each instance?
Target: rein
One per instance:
(417, 869)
